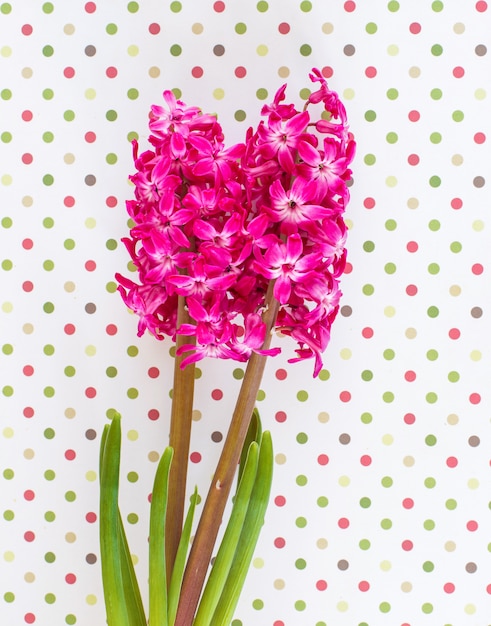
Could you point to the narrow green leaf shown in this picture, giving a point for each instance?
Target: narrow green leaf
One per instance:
(157, 580)
(253, 434)
(224, 558)
(180, 562)
(249, 535)
(111, 558)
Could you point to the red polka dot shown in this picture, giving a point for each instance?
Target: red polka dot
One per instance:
(91, 517)
(413, 159)
(448, 587)
(458, 71)
(413, 116)
(69, 201)
(474, 398)
(348, 268)
(321, 585)
(456, 203)
(90, 392)
(111, 71)
(479, 138)
(412, 246)
(414, 28)
(195, 457)
(26, 116)
(27, 158)
(90, 265)
(90, 7)
(279, 542)
(284, 28)
(370, 71)
(488, 589)
(481, 6)
(219, 7)
(26, 30)
(349, 6)
(410, 376)
(29, 536)
(363, 585)
(477, 269)
(197, 72)
(153, 414)
(68, 72)
(111, 329)
(70, 579)
(407, 545)
(69, 329)
(90, 136)
(29, 495)
(323, 459)
(411, 290)
(29, 618)
(472, 525)
(408, 503)
(240, 71)
(28, 370)
(111, 202)
(217, 394)
(280, 416)
(280, 500)
(28, 412)
(409, 418)
(454, 333)
(27, 286)
(70, 455)
(281, 374)
(278, 622)
(154, 28)
(343, 523)
(452, 461)
(367, 332)
(366, 460)
(154, 372)
(345, 396)
(327, 71)
(369, 203)
(27, 244)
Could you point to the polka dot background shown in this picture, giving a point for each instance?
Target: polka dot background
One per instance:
(380, 508)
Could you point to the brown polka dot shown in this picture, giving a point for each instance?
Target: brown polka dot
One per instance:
(349, 50)
(218, 50)
(91, 558)
(344, 439)
(90, 180)
(90, 434)
(346, 310)
(343, 565)
(481, 50)
(216, 436)
(474, 441)
(90, 308)
(470, 567)
(90, 50)
(476, 312)
(479, 182)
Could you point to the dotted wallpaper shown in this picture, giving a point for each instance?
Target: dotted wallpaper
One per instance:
(381, 504)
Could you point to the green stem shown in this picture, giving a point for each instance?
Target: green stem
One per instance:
(179, 440)
(211, 516)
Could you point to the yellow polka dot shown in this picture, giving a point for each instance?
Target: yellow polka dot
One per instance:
(322, 543)
(258, 562)
(349, 93)
(283, 71)
(69, 29)
(6, 180)
(385, 566)
(323, 417)
(459, 28)
(90, 222)
(280, 458)
(411, 333)
(349, 223)
(408, 461)
(69, 286)
(91, 599)
(414, 72)
(91, 476)
(478, 225)
(9, 556)
(197, 28)
(27, 201)
(450, 546)
(26, 72)
(345, 354)
(70, 413)
(455, 290)
(133, 50)
(218, 93)
(406, 586)
(344, 481)
(387, 439)
(393, 50)
(154, 71)
(327, 28)
(29, 454)
(452, 419)
(197, 415)
(69, 158)
(342, 606)
(262, 50)
(391, 181)
(90, 93)
(413, 203)
(389, 311)
(28, 329)
(457, 159)
(470, 609)
(480, 94)
(70, 537)
(279, 583)
(7, 307)
(6, 51)
(135, 559)
(8, 432)
(476, 355)
(90, 350)
(132, 435)
(29, 577)
(153, 456)
(473, 483)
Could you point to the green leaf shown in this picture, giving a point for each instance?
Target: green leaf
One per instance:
(253, 434)
(180, 561)
(157, 581)
(249, 535)
(225, 556)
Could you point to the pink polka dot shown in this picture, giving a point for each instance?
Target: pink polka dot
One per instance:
(414, 28)
(279, 542)
(240, 71)
(70, 579)
(29, 495)
(280, 416)
(481, 6)
(154, 28)
(29, 536)
(366, 460)
(327, 71)
(153, 372)
(407, 545)
(91, 517)
(197, 72)
(111, 202)
(472, 525)
(349, 6)
(281, 374)
(284, 28)
(452, 461)
(28, 412)
(27, 158)
(367, 332)
(280, 500)
(343, 523)
(90, 265)
(28, 370)
(69, 201)
(111, 72)
(410, 376)
(90, 136)
(26, 30)
(370, 71)
(219, 7)
(345, 396)
(474, 398)
(195, 457)
(412, 246)
(456, 203)
(369, 203)
(26, 116)
(409, 418)
(411, 290)
(323, 459)
(408, 503)
(278, 622)
(70, 455)
(479, 138)
(68, 72)
(321, 585)
(458, 71)
(448, 587)
(217, 394)
(69, 329)
(27, 286)
(348, 268)
(413, 116)
(413, 159)
(153, 415)
(477, 269)
(29, 618)
(27, 244)
(363, 585)
(454, 333)
(90, 392)
(488, 589)
(90, 7)
(111, 329)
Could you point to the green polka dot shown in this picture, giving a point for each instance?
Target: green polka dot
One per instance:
(175, 7)
(7, 265)
(49, 350)
(48, 265)
(435, 138)
(261, 395)
(48, 136)
(132, 93)
(301, 480)
(368, 290)
(433, 268)
(49, 392)
(49, 475)
(133, 7)
(48, 7)
(391, 225)
(427, 608)
(364, 544)
(132, 393)
(367, 375)
(7, 348)
(386, 524)
(8, 515)
(48, 51)
(48, 94)
(8, 473)
(436, 94)
(453, 377)
(434, 225)
(431, 397)
(111, 158)
(433, 311)
(437, 6)
(69, 371)
(305, 50)
(366, 418)
(369, 159)
(48, 307)
(456, 246)
(49, 433)
(262, 6)
(435, 181)
(132, 477)
(50, 598)
(302, 396)
(257, 604)
(389, 354)
(50, 557)
(387, 481)
(300, 522)
(111, 115)
(368, 246)
(175, 50)
(302, 438)
(306, 6)
(365, 503)
(390, 268)
(132, 351)
(391, 137)
(48, 180)
(111, 29)
(370, 116)
(300, 563)
(436, 50)
(429, 524)
(261, 94)
(70, 496)
(430, 440)
(8, 596)
(6, 222)
(69, 115)
(6, 94)
(240, 28)
(429, 482)
(6, 8)
(384, 607)
(322, 502)
(392, 93)
(70, 619)
(300, 605)
(393, 6)
(69, 244)
(457, 116)
(371, 28)
(428, 566)
(240, 115)
(324, 375)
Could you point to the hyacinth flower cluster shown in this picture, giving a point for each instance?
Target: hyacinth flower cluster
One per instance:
(229, 244)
